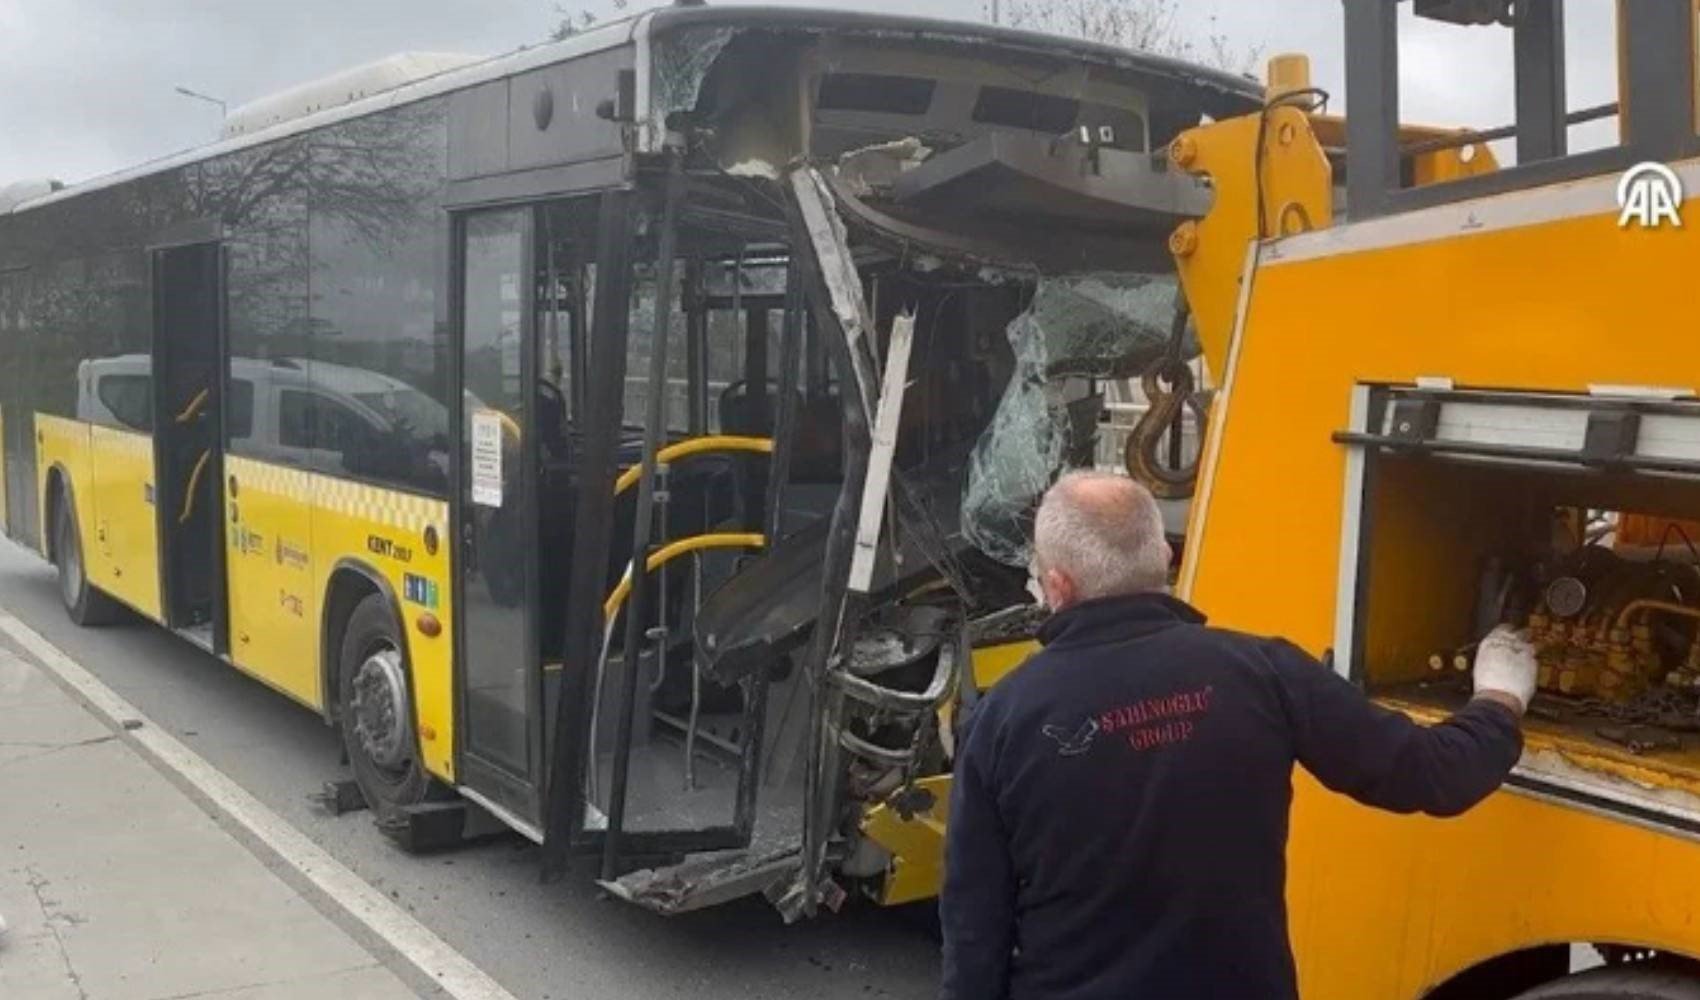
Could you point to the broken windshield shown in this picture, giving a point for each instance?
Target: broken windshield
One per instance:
(1076, 330)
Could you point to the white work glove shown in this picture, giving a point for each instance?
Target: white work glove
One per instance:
(1505, 663)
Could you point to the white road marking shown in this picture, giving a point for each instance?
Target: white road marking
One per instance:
(451, 971)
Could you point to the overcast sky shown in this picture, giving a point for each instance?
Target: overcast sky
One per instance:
(87, 86)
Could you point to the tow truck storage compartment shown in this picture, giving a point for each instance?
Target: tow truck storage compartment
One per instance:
(1573, 516)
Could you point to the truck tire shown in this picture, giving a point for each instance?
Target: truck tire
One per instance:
(1656, 980)
(86, 604)
(379, 731)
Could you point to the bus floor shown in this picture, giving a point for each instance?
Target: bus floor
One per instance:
(659, 798)
(664, 794)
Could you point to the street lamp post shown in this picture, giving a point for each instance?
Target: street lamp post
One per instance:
(223, 109)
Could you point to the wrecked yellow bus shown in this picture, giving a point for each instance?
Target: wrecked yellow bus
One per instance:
(627, 441)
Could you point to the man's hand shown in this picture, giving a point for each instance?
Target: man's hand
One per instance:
(1505, 669)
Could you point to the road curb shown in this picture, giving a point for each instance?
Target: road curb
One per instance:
(285, 849)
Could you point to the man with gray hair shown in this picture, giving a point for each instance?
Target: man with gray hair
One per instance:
(1118, 820)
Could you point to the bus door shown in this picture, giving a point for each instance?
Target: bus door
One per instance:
(498, 680)
(188, 350)
(658, 763)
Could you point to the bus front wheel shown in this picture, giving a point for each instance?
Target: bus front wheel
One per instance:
(84, 602)
(377, 725)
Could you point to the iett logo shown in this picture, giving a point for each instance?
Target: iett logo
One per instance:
(1650, 196)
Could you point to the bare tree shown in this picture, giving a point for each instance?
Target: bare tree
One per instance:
(575, 19)
(1142, 25)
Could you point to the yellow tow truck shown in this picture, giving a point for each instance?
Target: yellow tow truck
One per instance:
(1453, 392)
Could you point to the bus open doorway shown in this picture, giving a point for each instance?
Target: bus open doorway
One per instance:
(188, 368)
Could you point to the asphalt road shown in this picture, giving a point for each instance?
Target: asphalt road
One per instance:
(547, 941)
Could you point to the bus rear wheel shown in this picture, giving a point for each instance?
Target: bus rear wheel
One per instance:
(377, 723)
(85, 603)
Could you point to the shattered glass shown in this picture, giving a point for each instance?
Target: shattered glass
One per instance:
(682, 61)
(1106, 326)
(1097, 326)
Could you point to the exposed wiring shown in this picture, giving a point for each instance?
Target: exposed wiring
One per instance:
(1671, 528)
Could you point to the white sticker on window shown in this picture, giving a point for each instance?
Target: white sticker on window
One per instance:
(487, 458)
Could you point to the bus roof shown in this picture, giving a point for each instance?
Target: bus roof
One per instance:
(1239, 92)
(935, 29)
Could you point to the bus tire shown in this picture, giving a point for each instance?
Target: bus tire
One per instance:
(1655, 980)
(86, 604)
(377, 722)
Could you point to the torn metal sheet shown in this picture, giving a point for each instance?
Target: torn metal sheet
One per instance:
(769, 609)
(831, 244)
(875, 490)
(874, 169)
(1005, 248)
(1017, 175)
(707, 880)
(1099, 326)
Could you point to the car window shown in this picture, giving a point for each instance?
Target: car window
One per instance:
(239, 409)
(309, 420)
(129, 398)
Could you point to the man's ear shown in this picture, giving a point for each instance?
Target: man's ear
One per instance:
(1059, 589)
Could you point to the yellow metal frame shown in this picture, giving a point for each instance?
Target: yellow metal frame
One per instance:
(1297, 191)
(994, 663)
(1297, 195)
(915, 843)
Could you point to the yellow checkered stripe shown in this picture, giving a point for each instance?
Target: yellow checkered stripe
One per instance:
(375, 504)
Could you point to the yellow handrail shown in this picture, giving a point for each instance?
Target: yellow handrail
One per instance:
(194, 481)
(193, 408)
(673, 550)
(695, 446)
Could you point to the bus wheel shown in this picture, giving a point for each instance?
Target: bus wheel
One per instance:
(1656, 980)
(84, 602)
(377, 713)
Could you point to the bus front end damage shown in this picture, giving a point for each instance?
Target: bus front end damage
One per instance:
(975, 256)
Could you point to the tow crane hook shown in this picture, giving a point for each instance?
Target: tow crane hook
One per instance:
(1170, 391)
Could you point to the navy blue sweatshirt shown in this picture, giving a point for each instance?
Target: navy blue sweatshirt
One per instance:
(1118, 820)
